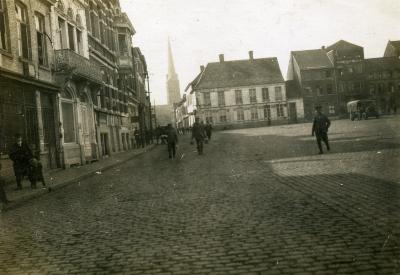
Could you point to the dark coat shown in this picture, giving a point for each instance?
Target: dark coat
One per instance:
(20, 155)
(172, 135)
(198, 131)
(321, 124)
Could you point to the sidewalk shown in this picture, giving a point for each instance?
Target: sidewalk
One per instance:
(56, 179)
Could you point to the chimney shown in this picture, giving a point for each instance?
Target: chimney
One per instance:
(202, 68)
(221, 58)
(251, 55)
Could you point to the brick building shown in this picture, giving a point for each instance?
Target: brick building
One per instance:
(311, 73)
(241, 93)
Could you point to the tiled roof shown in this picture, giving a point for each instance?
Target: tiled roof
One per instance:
(342, 44)
(382, 64)
(240, 73)
(312, 59)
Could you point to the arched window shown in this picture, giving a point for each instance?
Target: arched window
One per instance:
(68, 117)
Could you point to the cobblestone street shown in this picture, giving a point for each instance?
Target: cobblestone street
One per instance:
(259, 201)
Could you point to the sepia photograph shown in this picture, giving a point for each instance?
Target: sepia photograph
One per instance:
(200, 137)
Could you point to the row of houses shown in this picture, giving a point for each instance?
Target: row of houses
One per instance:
(253, 92)
(71, 81)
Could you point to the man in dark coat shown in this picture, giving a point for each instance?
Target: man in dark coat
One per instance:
(172, 141)
(198, 134)
(208, 129)
(320, 129)
(137, 137)
(21, 155)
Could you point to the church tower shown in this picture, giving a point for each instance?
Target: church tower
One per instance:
(173, 90)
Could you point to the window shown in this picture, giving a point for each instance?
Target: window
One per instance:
(221, 98)
(68, 122)
(254, 113)
(207, 99)
(22, 31)
(278, 94)
(123, 47)
(279, 110)
(3, 34)
(41, 39)
(331, 109)
(240, 115)
(372, 89)
(222, 118)
(209, 119)
(329, 89)
(71, 37)
(320, 90)
(62, 33)
(267, 112)
(79, 41)
(265, 94)
(308, 91)
(238, 97)
(328, 74)
(253, 96)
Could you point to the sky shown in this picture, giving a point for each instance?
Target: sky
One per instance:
(200, 30)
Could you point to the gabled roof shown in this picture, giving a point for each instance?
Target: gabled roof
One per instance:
(239, 73)
(382, 64)
(194, 81)
(312, 59)
(342, 44)
(395, 44)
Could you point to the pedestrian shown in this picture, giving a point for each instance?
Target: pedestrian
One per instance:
(320, 128)
(208, 130)
(137, 137)
(198, 134)
(21, 155)
(172, 140)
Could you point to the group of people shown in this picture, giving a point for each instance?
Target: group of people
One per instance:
(201, 133)
(25, 164)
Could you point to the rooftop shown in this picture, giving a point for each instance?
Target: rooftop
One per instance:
(312, 59)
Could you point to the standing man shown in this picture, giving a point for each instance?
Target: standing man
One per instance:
(137, 137)
(172, 139)
(320, 129)
(208, 130)
(198, 134)
(21, 155)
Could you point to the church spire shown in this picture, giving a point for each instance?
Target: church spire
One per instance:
(171, 66)
(173, 90)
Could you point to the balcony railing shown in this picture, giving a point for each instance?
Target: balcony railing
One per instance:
(69, 61)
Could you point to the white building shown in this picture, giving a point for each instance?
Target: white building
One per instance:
(239, 93)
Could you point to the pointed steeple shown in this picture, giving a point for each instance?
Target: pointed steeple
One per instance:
(171, 66)
(173, 89)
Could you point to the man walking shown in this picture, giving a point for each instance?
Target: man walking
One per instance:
(198, 134)
(172, 139)
(208, 130)
(320, 129)
(21, 155)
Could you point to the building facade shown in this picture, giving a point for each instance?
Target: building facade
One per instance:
(28, 94)
(311, 72)
(67, 79)
(241, 93)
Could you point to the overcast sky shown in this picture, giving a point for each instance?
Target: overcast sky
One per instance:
(200, 30)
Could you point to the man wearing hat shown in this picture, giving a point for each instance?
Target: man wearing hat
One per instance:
(320, 128)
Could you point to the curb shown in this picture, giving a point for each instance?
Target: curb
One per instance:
(17, 203)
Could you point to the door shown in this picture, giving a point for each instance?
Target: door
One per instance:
(86, 131)
(292, 112)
